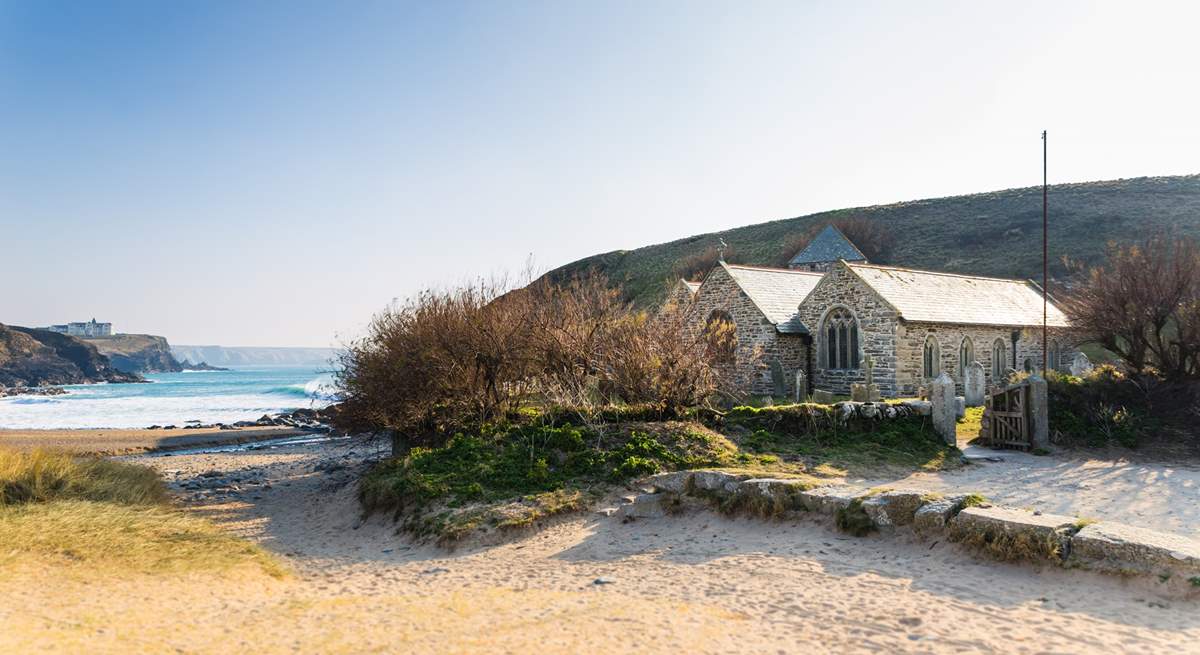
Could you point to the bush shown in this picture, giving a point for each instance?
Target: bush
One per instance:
(452, 361)
(1104, 408)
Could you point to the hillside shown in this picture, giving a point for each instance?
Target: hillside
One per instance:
(37, 357)
(996, 234)
(252, 356)
(137, 353)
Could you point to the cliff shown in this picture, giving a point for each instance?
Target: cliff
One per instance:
(137, 353)
(33, 358)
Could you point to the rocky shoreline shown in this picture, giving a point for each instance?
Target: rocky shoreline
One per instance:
(311, 420)
(6, 392)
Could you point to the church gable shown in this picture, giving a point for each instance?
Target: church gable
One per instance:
(827, 248)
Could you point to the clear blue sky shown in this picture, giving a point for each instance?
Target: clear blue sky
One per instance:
(272, 173)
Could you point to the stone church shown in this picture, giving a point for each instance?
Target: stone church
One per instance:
(829, 315)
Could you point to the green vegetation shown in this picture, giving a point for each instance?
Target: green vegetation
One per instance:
(974, 500)
(1020, 546)
(853, 519)
(808, 433)
(969, 425)
(1104, 408)
(1083, 218)
(92, 516)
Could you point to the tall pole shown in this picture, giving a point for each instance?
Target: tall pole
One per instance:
(1045, 259)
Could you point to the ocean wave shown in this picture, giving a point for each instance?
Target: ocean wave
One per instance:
(316, 389)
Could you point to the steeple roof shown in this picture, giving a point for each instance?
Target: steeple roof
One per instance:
(829, 245)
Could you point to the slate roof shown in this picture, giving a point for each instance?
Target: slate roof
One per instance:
(776, 292)
(948, 298)
(828, 246)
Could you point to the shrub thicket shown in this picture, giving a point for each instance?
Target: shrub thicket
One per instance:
(460, 358)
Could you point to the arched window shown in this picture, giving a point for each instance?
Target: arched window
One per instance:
(721, 333)
(841, 339)
(999, 360)
(966, 357)
(933, 357)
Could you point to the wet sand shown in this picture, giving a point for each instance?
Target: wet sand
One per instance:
(102, 441)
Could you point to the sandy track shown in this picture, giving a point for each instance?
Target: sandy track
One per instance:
(696, 582)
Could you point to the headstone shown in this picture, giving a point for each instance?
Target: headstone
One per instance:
(873, 393)
(974, 384)
(1081, 365)
(801, 386)
(960, 407)
(822, 397)
(778, 381)
(943, 410)
(869, 365)
(1039, 412)
(858, 392)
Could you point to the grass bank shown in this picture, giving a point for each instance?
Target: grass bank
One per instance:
(99, 516)
(513, 475)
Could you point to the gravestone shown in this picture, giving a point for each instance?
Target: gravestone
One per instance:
(960, 407)
(858, 392)
(1081, 365)
(974, 384)
(944, 408)
(870, 389)
(778, 380)
(801, 386)
(822, 397)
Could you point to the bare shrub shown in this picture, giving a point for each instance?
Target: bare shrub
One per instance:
(694, 267)
(870, 236)
(1144, 305)
(476, 353)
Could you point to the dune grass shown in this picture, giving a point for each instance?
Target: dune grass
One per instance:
(100, 516)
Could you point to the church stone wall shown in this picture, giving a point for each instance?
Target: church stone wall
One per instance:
(876, 330)
(760, 348)
(910, 351)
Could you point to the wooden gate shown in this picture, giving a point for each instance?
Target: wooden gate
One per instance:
(1006, 419)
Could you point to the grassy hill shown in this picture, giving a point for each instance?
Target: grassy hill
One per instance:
(996, 234)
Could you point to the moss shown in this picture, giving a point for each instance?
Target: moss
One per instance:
(974, 500)
(1082, 523)
(1195, 581)
(853, 519)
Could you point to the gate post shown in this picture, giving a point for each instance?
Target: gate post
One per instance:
(945, 408)
(1039, 412)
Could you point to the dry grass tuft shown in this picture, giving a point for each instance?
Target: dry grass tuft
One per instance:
(42, 476)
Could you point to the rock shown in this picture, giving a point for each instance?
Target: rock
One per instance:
(1010, 533)
(607, 511)
(211, 474)
(893, 507)
(1117, 547)
(714, 480)
(645, 506)
(919, 407)
(828, 500)
(771, 496)
(931, 518)
(603, 581)
(675, 482)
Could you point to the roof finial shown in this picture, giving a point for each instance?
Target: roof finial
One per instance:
(721, 250)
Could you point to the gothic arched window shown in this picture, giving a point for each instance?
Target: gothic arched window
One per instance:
(932, 357)
(966, 357)
(999, 360)
(841, 339)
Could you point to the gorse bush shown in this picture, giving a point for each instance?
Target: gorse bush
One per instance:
(448, 361)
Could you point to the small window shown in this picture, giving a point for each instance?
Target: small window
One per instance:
(841, 340)
(932, 357)
(966, 357)
(999, 359)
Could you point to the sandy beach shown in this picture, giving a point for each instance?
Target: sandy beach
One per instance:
(698, 582)
(126, 441)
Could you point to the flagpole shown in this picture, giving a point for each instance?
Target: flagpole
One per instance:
(1045, 260)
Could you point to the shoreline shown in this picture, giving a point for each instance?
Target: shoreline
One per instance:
(129, 441)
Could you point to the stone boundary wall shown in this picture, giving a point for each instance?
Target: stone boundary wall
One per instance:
(1004, 533)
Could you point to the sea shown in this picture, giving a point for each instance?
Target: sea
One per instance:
(243, 393)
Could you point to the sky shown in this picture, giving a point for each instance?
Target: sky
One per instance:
(273, 173)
